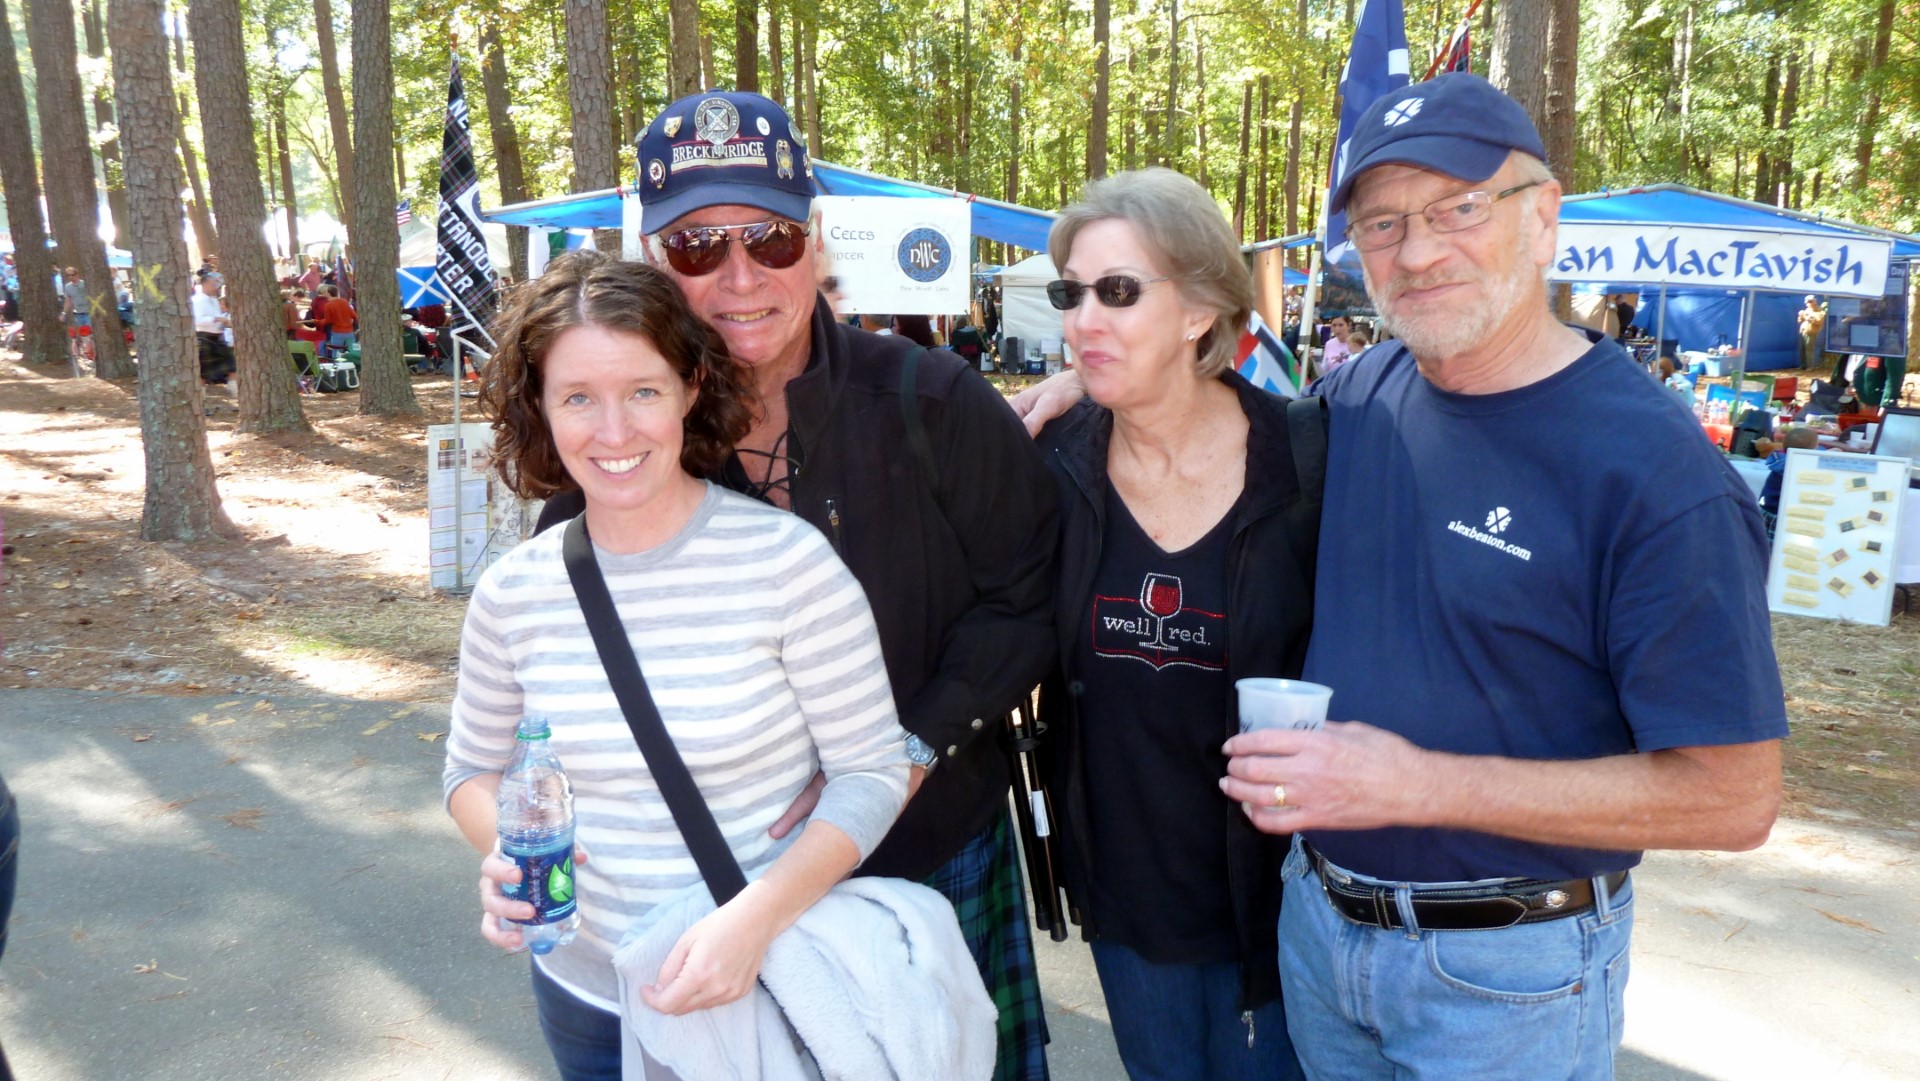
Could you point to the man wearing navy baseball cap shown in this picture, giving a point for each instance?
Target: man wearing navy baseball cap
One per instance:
(941, 507)
(1510, 623)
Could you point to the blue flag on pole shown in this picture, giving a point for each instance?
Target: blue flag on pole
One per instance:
(1376, 66)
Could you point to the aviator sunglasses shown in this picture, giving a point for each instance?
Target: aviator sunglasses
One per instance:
(701, 250)
(1114, 291)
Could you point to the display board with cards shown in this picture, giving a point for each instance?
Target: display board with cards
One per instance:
(1834, 543)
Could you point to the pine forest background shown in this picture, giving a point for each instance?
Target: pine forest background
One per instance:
(1812, 104)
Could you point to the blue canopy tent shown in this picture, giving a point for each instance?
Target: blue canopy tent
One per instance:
(1019, 226)
(1757, 311)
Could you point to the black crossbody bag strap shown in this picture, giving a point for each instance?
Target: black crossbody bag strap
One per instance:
(917, 424)
(690, 811)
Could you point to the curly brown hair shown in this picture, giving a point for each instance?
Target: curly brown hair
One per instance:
(588, 288)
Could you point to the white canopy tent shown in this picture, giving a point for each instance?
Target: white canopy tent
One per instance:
(1025, 312)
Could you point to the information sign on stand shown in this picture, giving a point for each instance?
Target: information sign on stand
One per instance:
(1834, 543)
(897, 256)
(461, 517)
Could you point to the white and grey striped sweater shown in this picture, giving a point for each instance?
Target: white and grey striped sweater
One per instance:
(761, 654)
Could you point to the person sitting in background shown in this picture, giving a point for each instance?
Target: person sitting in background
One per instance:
(968, 342)
(917, 329)
(291, 320)
(1775, 451)
(876, 323)
(1829, 399)
(1357, 343)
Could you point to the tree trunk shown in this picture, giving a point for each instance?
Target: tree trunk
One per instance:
(1014, 78)
(683, 61)
(182, 501)
(799, 59)
(110, 165)
(965, 127)
(199, 211)
(286, 177)
(269, 396)
(1789, 103)
(385, 388)
(816, 147)
(1240, 178)
(1200, 110)
(1521, 29)
(1171, 139)
(1102, 63)
(746, 46)
(777, 71)
(1556, 117)
(1769, 106)
(506, 138)
(337, 116)
(590, 91)
(73, 199)
(46, 340)
(1261, 222)
(1870, 120)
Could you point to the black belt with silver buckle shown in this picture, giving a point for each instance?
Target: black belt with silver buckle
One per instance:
(1462, 908)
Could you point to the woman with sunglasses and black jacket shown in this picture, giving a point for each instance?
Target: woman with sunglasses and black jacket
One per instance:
(1185, 564)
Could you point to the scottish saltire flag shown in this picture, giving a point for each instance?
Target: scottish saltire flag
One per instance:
(1265, 360)
(462, 265)
(1376, 66)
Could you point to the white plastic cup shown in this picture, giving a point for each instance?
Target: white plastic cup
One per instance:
(1282, 703)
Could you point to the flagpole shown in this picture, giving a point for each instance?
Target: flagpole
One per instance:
(1309, 309)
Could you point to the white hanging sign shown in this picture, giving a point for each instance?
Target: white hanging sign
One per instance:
(1651, 254)
(899, 256)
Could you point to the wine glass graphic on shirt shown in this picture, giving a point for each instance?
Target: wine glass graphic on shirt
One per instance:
(1160, 596)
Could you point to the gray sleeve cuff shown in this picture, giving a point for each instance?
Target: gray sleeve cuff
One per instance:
(864, 805)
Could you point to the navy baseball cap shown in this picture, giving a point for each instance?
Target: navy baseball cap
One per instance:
(1458, 124)
(721, 148)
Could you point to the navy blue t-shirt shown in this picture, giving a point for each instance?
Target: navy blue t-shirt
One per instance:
(1564, 571)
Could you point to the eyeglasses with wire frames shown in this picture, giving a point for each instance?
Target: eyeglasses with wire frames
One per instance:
(1113, 291)
(702, 249)
(1449, 215)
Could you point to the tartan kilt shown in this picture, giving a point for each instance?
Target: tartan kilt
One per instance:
(984, 884)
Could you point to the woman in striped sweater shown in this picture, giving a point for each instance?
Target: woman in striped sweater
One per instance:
(755, 640)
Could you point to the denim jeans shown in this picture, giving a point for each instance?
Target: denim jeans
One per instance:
(1184, 1023)
(338, 342)
(1532, 1001)
(584, 1039)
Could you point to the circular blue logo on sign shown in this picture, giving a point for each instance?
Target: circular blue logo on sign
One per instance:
(925, 254)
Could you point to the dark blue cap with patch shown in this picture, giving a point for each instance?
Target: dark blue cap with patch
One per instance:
(1458, 124)
(722, 148)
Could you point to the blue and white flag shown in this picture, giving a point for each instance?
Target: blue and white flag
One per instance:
(1376, 66)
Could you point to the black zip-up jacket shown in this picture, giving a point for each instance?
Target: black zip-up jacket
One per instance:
(959, 585)
(1269, 612)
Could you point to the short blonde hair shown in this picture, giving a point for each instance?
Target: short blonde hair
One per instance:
(1189, 239)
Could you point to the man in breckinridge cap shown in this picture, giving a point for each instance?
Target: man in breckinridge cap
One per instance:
(1509, 624)
(951, 535)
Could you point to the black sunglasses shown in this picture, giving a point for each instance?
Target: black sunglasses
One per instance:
(1114, 291)
(701, 250)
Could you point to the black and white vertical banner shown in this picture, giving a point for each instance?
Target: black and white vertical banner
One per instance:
(462, 264)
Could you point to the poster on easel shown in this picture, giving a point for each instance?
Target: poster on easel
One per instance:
(460, 504)
(1834, 542)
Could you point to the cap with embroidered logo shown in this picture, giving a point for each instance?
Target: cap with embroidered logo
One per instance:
(1458, 124)
(722, 148)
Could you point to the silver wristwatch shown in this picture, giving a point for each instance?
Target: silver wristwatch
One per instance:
(921, 753)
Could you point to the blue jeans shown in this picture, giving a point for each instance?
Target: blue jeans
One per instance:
(1525, 1002)
(338, 342)
(584, 1039)
(1183, 1022)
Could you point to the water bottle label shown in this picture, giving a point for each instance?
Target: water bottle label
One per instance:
(546, 880)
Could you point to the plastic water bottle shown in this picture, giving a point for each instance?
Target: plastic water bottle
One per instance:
(536, 833)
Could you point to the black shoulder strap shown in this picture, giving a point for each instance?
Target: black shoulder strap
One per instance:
(917, 424)
(690, 811)
(1307, 435)
(1307, 438)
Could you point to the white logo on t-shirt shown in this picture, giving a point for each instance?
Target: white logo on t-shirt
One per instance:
(1499, 520)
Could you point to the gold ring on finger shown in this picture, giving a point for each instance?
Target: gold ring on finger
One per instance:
(1279, 795)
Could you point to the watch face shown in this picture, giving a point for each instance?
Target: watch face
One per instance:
(918, 751)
